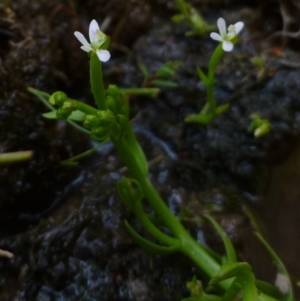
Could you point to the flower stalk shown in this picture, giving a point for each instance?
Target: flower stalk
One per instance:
(97, 81)
(227, 40)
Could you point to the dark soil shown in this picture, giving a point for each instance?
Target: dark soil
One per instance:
(65, 225)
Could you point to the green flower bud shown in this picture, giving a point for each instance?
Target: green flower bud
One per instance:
(67, 108)
(58, 98)
(130, 192)
(106, 118)
(111, 104)
(116, 130)
(100, 133)
(112, 90)
(90, 121)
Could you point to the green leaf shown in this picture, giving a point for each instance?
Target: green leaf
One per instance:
(168, 69)
(148, 245)
(144, 70)
(280, 266)
(141, 91)
(50, 115)
(43, 97)
(268, 289)
(75, 116)
(201, 118)
(222, 109)
(230, 270)
(202, 76)
(230, 252)
(164, 83)
(177, 18)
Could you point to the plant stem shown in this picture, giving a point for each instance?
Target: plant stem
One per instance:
(213, 63)
(97, 81)
(188, 245)
(85, 108)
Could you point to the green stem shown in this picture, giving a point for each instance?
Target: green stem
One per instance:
(213, 63)
(85, 108)
(153, 230)
(215, 60)
(97, 81)
(211, 98)
(188, 245)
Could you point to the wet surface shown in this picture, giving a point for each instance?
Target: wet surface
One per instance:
(65, 225)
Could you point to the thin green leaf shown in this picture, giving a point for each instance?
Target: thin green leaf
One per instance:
(202, 76)
(201, 118)
(164, 83)
(14, 157)
(147, 245)
(144, 70)
(76, 115)
(43, 97)
(177, 18)
(74, 160)
(230, 270)
(280, 266)
(230, 251)
(50, 115)
(268, 289)
(141, 91)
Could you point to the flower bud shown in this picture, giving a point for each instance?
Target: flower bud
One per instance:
(105, 118)
(99, 133)
(90, 121)
(58, 98)
(130, 192)
(111, 104)
(67, 108)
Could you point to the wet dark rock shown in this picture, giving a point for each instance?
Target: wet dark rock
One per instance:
(79, 249)
(34, 54)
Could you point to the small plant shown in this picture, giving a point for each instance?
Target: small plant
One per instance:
(189, 14)
(227, 38)
(260, 127)
(109, 120)
(162, 77)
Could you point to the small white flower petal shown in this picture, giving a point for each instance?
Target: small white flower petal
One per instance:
(238, 27)
(86, 48)
(81, 39)
(103, 55)
(227, 46)
(222, 27)
(94, 27)
(215, 36)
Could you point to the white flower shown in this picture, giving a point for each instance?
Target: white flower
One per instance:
(225, 37)
(97, 39)
(283, 283)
